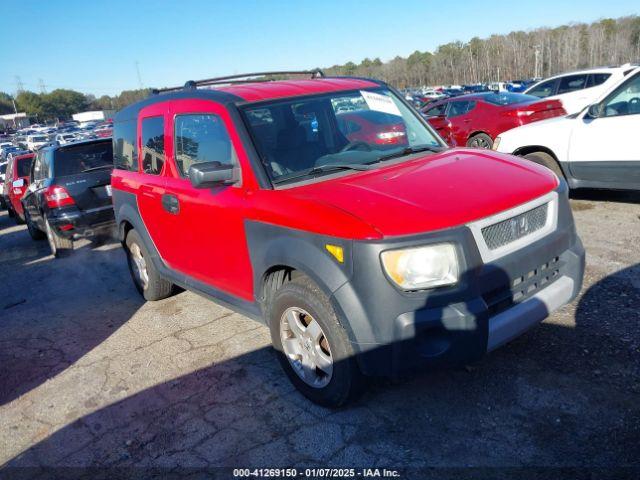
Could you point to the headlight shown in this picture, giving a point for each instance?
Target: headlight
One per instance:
(422, 267)
(496, 143)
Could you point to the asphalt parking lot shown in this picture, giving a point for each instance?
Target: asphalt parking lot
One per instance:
(93, 376)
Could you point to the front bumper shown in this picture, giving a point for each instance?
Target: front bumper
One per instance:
(72, 222)
(393, 331)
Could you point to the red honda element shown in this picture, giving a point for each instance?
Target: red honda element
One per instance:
(362, 257)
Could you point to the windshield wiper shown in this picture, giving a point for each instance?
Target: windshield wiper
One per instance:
(326, 168)
(101, 167)
(408, 151)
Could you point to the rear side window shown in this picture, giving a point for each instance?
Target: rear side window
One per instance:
(23, 167)
(596, 79)
(545, 89)
(125, 153)
(152, 145)
(201, 138)
(41, 167)
(83, 158)
(572, 83)
(460, 108)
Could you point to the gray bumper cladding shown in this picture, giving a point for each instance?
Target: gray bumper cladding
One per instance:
(511, 323)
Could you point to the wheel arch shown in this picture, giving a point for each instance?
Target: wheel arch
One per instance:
(522, 151)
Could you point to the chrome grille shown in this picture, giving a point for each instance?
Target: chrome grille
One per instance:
(514, 228)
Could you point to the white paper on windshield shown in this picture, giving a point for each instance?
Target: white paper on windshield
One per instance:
(380, 103)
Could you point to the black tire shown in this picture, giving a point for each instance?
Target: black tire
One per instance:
(17, 219)
(480, 140)
(11, 212)
(346, 380)
(546, 160)
(35, 232)
(60, 246)
(155, 287)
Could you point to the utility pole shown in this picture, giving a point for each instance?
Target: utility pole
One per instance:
(19, 84)
(139, 77)
(537, 54)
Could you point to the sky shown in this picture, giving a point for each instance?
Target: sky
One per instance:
(92, 46)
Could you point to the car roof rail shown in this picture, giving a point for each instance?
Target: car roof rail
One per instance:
(239, 79)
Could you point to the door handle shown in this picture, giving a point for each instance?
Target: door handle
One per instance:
(171, 203)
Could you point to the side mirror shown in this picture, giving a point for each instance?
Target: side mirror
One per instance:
(19, 183)
(595, 110)
(212, 174)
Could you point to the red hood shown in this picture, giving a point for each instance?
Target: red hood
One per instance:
(433, 192)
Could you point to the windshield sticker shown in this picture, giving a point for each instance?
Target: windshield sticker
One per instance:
(380, 103)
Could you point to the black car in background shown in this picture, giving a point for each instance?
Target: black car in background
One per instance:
(69, 194)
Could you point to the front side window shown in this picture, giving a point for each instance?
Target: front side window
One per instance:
(125, 152)
(314, 135)
(543, 90)
(625, 100)
(203, 138)
(436, 111)
(572, 83)
(152, 145)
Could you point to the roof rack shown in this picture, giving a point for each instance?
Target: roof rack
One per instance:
(239, 79)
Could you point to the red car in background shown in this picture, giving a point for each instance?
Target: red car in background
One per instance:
(370, 126)
(16, 183)
(476, 120)
(104, 130)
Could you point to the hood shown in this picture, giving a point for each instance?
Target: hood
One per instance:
(433, 192)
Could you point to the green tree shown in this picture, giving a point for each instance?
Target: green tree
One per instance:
(6, 105)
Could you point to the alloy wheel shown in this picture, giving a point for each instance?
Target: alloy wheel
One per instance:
(139, 265)
(306, 347)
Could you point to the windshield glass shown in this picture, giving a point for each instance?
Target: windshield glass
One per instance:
(39, 139)
(80, 158)
(343, 128)
(507, 98)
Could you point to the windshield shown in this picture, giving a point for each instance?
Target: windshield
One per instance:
(343, 128)
(80, 158)
(39, 139)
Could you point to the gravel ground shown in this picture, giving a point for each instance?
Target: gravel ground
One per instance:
(93, 376)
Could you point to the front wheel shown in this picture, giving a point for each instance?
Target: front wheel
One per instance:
(60, 246)
(312, 346)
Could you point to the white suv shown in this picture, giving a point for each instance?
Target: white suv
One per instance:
(596, 148)
(576, 90)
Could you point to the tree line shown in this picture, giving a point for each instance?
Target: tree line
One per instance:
(60, 104)
(518, 55)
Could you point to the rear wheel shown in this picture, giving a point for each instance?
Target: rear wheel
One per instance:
(144, 274)
(480, 140)
(546, 160)
(35, 232)
(60, 246)
(312, 346)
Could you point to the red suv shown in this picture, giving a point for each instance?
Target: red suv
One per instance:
(361, 257)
